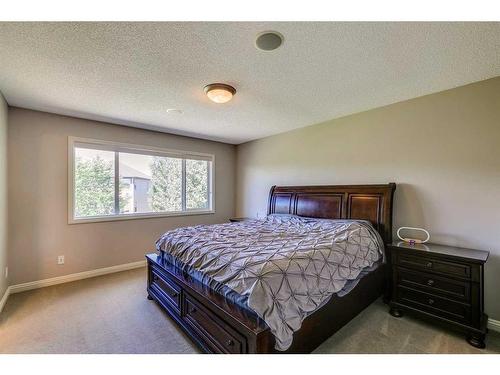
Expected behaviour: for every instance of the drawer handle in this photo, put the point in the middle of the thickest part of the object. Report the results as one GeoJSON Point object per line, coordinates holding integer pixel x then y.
{"type": "Point", "coordinates": [155, 278]}
{"type": "Point", "coordinates": [431, 301]}
{"type": "Point", "coordinates": [193, 310]}
{"type": "Point", "coordinates": [230, 343]}
{"type": "Point", "coordinates": [430, 282]}
{"type": "Point", "coordinates": [429, 264]}
{"type": "Point", "coordinates": [174, 295]}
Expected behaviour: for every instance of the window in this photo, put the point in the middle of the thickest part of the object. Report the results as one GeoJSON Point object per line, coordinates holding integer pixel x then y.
{"type": "Point", "coordinates": [114, 181]}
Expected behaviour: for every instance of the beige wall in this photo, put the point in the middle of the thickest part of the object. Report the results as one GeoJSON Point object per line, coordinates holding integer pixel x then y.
{"type": "Point", "coordinates": [3, 194]}
{"type": "Point", "coordinates": [443, 151]}
{"type": "Point", "coordinates": [38, 219]}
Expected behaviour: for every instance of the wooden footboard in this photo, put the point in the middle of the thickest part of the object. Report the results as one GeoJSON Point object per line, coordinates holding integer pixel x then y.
{"type": "Point", "coordinates": [218, 325]}
{"type": "Point", "coordinates": [214, 323]}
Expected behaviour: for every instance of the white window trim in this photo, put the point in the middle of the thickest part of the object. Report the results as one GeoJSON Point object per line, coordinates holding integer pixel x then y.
{"type": "Point", "coordinates": [123, 147]}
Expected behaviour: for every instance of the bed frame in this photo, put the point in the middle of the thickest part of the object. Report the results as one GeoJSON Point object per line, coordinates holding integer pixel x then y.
{"type": "Point", "coordinates": [218, 325]}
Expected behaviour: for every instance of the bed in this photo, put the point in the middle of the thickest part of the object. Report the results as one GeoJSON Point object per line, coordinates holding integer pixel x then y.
{"type": "Point", "coordinates": [220, 321]}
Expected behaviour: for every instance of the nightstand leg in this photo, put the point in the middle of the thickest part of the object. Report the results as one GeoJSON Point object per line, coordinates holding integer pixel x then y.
{"type": "Point", "coordinates": [476, 340]}
{"type": "Point", "coordinates": [396, 312]}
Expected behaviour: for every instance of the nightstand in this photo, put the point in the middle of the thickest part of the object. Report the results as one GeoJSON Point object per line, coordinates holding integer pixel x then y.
{"type": "Point", "coordinates": [444, 284]}
{"type": "Point", "coordinates": [238, 219]}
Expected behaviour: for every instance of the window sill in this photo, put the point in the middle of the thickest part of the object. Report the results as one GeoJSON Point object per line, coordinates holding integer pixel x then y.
{"type": "Point", "coordinates": [148, 215]}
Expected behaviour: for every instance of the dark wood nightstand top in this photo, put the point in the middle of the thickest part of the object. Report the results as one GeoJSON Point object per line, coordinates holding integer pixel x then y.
{"type": "Point", "coordinates": [434, 249]}
{"type": "Point", "coordinates": [238, 219]}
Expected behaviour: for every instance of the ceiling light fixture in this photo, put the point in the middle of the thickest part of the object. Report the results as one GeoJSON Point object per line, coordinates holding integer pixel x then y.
{"type": "Point", "coordinates": [219, 92]}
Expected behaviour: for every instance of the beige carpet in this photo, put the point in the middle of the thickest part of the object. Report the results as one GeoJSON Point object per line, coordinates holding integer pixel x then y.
{"type": "Point", "coordinates": [110, 314]}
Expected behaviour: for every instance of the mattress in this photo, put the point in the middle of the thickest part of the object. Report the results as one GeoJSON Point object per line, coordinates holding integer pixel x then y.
{"type": "Point", "coordinates": [283, 267]}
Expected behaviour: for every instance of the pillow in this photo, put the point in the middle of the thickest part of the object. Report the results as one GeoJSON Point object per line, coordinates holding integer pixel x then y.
{"type": "Point", "coordinates": [282, 215]}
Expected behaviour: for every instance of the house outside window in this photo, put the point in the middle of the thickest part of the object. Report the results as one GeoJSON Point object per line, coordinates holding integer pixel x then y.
{"type": "Point", "coordinates": [137, 186]}
{"type": "Point", "coordinates": [116, 181]}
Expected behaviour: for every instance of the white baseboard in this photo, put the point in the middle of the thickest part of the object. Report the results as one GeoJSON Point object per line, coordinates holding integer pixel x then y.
{"type": "Point", "coordinates": [3, 301]}
{"type": "Point", "coordinates": [74, 277]}
{"type": "Point", "coordinates": [494, 325]}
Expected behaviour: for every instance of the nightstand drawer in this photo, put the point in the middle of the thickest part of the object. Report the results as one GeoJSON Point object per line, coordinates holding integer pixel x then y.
{"type": "Point", "coordinates": [427, 282]}
{"type": "Point", "coordinates": [430, 264]}
{"type": "Point", "coordinates": [434, 304]}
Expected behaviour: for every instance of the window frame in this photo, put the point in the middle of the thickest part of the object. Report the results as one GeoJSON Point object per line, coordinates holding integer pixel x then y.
{"type": "Point", "coordinates": [135, 148]}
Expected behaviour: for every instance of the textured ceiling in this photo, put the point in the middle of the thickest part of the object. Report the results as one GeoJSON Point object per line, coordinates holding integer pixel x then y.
{"type": "Point", "coordinates": [131, 73]}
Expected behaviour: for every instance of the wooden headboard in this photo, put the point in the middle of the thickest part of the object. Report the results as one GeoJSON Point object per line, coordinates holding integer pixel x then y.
{"type": "Point", "coordinates": [362, 202]}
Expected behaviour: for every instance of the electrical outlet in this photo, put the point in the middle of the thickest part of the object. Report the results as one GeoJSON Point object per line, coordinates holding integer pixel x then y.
{"type": "Point", "coordinates": [60, 259]}
{"type": "Point", "coordinates": [6, 272]}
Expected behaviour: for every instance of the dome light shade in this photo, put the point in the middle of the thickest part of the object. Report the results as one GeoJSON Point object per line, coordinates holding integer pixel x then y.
{"type": "Point", "coordinates": [219, 92]}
